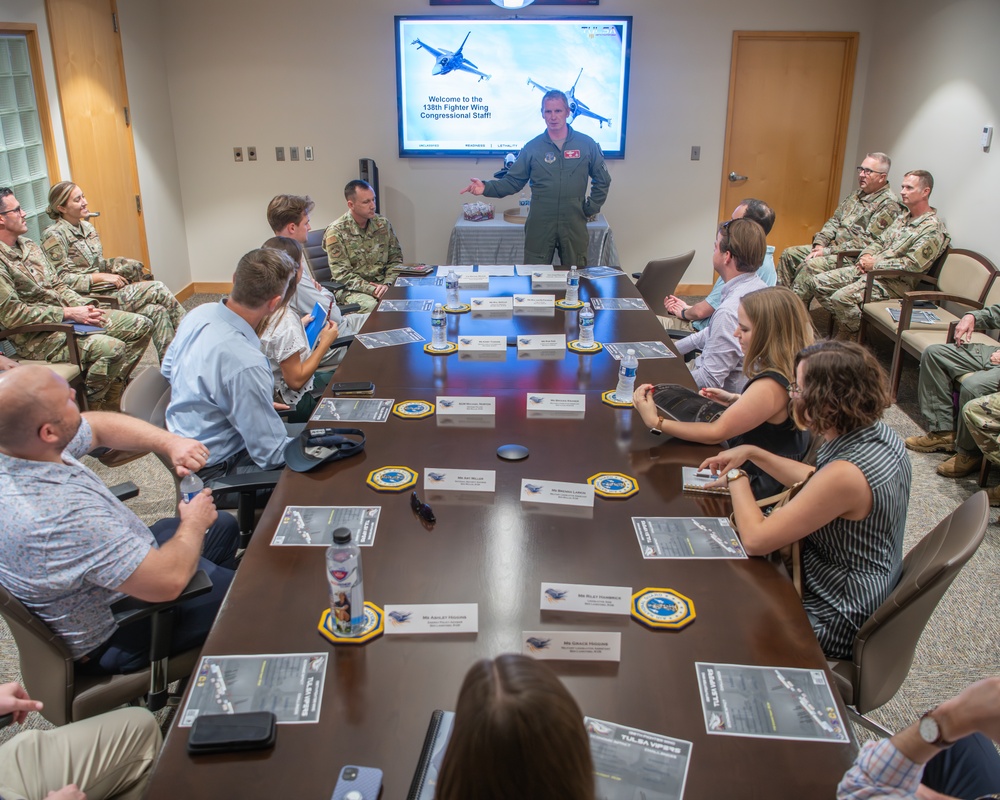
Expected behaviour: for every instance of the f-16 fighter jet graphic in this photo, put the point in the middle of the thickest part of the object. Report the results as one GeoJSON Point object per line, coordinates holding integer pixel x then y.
{"type": "Point", "coordinates": [446, 61]}
{"type": "Point", "coordinates": [576, 107]}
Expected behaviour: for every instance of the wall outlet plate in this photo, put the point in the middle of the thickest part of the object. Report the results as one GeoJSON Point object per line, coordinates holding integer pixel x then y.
{"type": "Point", "coordinates": [251, 153]}
{"type": "Point", "coordinates": [696, 153]}
{"type": "Point", "coordinates": [237, 154]}
{"type": "Point", "coordinates": [309, 152]}
{"type": "Point", "coordinates": [279, 153]}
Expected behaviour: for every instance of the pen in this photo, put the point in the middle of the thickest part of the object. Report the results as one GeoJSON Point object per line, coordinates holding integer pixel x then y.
{"type": "Point", "coordinates": [329, 309]}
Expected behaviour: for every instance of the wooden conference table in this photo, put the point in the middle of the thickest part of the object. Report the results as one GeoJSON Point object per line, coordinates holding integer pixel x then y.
{"type": "Point", "coordinates": [378, 697]}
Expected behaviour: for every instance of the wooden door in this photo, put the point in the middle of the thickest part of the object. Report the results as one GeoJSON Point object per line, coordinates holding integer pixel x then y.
{"type": "Point", "coordinates": [789, 103]}
{"type": "Point", "coordinates": [90, 73]}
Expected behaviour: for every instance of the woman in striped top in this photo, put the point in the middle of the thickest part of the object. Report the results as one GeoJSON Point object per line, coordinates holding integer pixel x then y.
{"type": "Point", "coordinates": [851, 514]}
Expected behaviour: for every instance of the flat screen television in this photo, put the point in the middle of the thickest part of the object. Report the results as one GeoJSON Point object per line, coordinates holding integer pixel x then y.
{"type": "Point", "coordinates": [472, 86]}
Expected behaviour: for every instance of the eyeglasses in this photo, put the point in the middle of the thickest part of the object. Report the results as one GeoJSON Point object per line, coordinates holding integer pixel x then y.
{"type": "Point", "coordinates": [794, 390]}
{"type": "Point", "coordinates": [421, 509]}
{"type": "Point", "coordinates": [17, 210]}
{"type": "Point", "coordinates": [869, 172]}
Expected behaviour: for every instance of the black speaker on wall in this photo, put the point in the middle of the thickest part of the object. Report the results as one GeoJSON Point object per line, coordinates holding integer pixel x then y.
{"type": "Point", "coordinates": [369, 173]}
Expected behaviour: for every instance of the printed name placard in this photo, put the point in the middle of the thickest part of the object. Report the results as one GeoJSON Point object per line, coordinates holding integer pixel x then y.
{"type": "Point", "coordinates": [466, 405]}
{"type": "Point", "coordinates": [474, 280]}
{"type": "Point", "coordinates": [534, 301]}
{"type": "Point", "coordinates": [536, 342]}
{"type": "Point", "coordinates": [587, 599]}
{"type": "Point", "coordinates": [558, 493]}
{"type": "Point", "coordinates": [539, 403]}
{"type": "Point", "coordinates": [530, 269]}
{"type": "Point", "coordinates": [500, 270]}
{"type": "Point", "coordinates": [483, 343]}
{"type": "Point", "coordinates": [572, 645]}
{"type": "Point", "coordinates": [548, 280]}
{"type": "Point", "coordinates": [432, 618]}
{"type": "Point", "coordinates": [460, 480]}
{"type": "Point", "coordinates": [492, 303]}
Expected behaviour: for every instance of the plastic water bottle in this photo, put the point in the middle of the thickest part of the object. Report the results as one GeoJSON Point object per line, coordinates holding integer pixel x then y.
{"type": "Point", "coordinates": [626, 377]}
{"type": "Point", "coordinates": [573, 286]}
{"type": "Point", "coordinates": [451, 287]}
{"type": "Point", "coordinates": [347, 589]}
{"type": "Point", "coordinates": [586, 325]}
{"type": "Point", "coordinates": [524, 204]}
{"type": "Point", "coordinates": [439, 322]}
{"type": "Point", "coordinates": [191, 485]}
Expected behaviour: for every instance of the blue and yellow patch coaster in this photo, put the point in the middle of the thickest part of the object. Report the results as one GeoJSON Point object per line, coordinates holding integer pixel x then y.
{"type": "Point", "coordinates": [391, 479]}
{"type": "Point", "coordinates": [576, 347]}
{"type": "Point", "coordinates": [373, 628]}
{"type": "Point", "coordinates": [608, 398]}
{"type": "Point", "coordinates": [413, 409]}
{"type": "Point", "coordinates": [613, 485]}
{"type": "Point", "coordinates": [443, 351]}
{"type": "Point", "coordinates": [571, 306]}
{"type": "Point", "coordinates": [458, 309]}
{"type": "Point", "coordinates": [662, 609]}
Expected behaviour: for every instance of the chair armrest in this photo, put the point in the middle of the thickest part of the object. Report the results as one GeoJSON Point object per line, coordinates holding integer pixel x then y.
{"type": "Point", "coordinates": [342, 341]}
{"type": "Point", "coordinates": [673, 333]}
{"type": "Point", "coordinates": [125, 491]}
{"type": "Point", "coordinates": [951, 332]}
{"type": "Point", "coordinates": [637, 275]}
{"type": "Point", "coordinates": [245, 481]}
{"type": "Point", "coordinates": [131, 609]}
{"type": "Point", "coordinates": [333, 286]}
{"type": "Point", "coordinates": [349, 308]}
{"type": "Point", "coordinates": [899, 273]}
{"type": "Point", "coordinates": [843, 255]}
{"type": "Point", "coordinates": [49, 327]}
{"type": "Point", "coordinates": [101, 299]}
{"type": "Point", "coordinates": [7, 719]}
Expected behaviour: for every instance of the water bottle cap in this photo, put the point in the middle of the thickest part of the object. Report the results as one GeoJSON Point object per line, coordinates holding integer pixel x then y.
{"type": "Point", "coordinates": [630, 352]}
{"type": "Point", "coordinates": [342, 535]}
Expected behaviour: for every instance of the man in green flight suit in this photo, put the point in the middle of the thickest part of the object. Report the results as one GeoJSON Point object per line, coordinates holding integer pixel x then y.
{"type": "Point", "coordinates": [558, 163]}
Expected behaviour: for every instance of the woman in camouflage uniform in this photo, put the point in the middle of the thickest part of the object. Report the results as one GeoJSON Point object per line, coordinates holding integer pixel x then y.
{"type": "Point", "coordinates": [73, 248]}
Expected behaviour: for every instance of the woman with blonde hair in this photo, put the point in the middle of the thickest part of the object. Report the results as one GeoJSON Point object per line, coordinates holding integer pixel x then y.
{"type": "Point", "coordinates": [851, 513]}
{"type": "Point", "coordinates": [773, 326]}
{"type": "Point", "coordinates": [73, 248]}
{"type": "Point", "coordinates": [518, 733]}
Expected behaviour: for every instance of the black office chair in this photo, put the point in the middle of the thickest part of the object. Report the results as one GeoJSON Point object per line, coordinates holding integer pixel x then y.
{"type": "Point", "coordinates": [147, 398]}
{"type": "Point", "coordinates": [49, 671]}
{"type": "Point", "coordinates": [660, 278]}
{"type": "Point", "coordinates": [319, 264]}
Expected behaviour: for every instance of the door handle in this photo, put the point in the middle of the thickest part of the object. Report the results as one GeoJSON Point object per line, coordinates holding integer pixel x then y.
{"type": "Point", "coordinates": [735, 176]}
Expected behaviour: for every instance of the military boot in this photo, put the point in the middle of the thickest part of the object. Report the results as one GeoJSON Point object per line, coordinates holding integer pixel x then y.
{"type": "Point", "coordinates": [112, 399]}
{"type": "Point", "coordinates": [960, 465]}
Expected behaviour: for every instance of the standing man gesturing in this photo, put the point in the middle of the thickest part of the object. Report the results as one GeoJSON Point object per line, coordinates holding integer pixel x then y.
{"type": "Point", "coordinates": [558, 163]}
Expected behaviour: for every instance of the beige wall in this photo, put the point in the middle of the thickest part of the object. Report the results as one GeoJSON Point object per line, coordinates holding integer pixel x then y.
{"type": "Point", "coordinates": [204, 77]}
{"type": "Point", "coordinates": [322, 74]}
{"type": "Point", "coordinates": [933, 83]}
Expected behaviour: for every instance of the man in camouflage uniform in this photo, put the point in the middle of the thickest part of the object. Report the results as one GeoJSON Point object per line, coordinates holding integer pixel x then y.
{"type": "Point", "coordinates": [911, 243]}
{"type": "Point", "coordinates": [362, 249]}
{"type": "Point", "coordinates": [982, 418]}
{"type": "Point", "coordinates": [859, 220]}
{"type": "Point", "coordinates": [940, 367]}
{"type": "Point", "coordinates": [31, 291]}
{"type": "Point", "coordinates": [77, 255]}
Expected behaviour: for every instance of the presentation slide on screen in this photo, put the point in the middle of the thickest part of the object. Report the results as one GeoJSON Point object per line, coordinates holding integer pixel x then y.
{"type": "Point", "coordinates": [475, 85]}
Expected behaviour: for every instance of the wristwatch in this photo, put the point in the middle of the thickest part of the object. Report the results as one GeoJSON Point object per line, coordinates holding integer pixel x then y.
{"type": "Point", "coordinates": [682, 314]}
{"type": "Point", "coordinates": [930, 731]}
{"type": "Point", "coordinates": [656, 430]}
{"type": "Point", "coordinates": [733, 474]}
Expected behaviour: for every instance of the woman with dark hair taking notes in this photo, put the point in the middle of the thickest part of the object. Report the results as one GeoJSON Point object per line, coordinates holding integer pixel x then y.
{"type": "Point", "coordinates": [518, 733]}
{"type": "Point", "coordinates": [851, 514]}
{"type": "Point", "coordinates": [773, 326]}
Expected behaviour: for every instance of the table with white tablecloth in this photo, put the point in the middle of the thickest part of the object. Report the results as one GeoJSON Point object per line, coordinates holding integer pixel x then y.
{"type": "Point", "coordinates": [496, 241]}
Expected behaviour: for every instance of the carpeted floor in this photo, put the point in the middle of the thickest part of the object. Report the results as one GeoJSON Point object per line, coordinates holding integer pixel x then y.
{"type": "Point", "coordinates": [959, 645]}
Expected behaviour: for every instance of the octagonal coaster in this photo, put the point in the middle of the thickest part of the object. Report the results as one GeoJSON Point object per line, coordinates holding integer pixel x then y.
{"type": "Point", "coordinates": [391, 479]}
{"type": "Point", "coordinates": [430, 349]}
{"type": "Point", "coordinates": [413, 409]}
{"type": "Point", "coordinates": [373, 628]}
{"type": "Point", "coordinates": [576, 347]}
{"type": "Point", "coordinates": [561, 303]}
{"type": "Point", "coordinates": [613, 485]}
{"type": "Point", "coordinates": [459, 309]}
{"type": "Point", "coordinates": [608, 398]}
{"type": "Point", "coordinates": [662, 608]}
